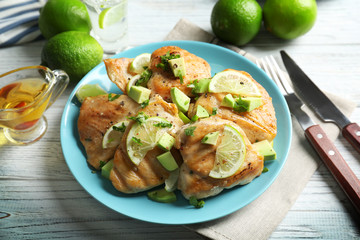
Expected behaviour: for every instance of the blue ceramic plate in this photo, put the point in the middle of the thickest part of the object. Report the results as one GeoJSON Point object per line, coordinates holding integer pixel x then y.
{"type": "Point", "coordinates": [138, 206]}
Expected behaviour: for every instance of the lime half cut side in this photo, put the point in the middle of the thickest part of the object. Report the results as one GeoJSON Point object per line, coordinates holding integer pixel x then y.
{"type": "Point", "coordinates": [230, 154]}
{"type": "Point", "coordinates": [113, 135]}
{"type": "Point", "coordinates": [112, 15]}
{"type": "Point", "coordinates": [140, 63]}
{"type": "Point", "coordinates": [144, 137]}
{"type": "Point", "coordinates": [234, 82]}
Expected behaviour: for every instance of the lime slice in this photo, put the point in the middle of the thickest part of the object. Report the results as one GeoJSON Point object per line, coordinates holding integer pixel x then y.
{"type": "Point", "coordinates": [113, 135]}
{"type": "Point", "coordinates": [89, 90]}
{"type": "Point", "coordinates": [112, 15]}
{"type": "Point", "coordinates": [144, 137]}
{"type": "Point", "coordinates": [140, 63]}
{"type": "Point", "coordinates": [230, 154]}
{"type": "Point", "coordinates": [234, 82]}
{"type": "Point", "coordinates": [132, 82]}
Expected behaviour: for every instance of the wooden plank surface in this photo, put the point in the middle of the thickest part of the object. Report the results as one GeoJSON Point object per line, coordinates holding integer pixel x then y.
{"type": "Point", "coordinates": [45, 202]}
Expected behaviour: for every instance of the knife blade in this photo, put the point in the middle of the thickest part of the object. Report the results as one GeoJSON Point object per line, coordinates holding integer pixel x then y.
{"type": "Point", "coordinates": [319, 102]}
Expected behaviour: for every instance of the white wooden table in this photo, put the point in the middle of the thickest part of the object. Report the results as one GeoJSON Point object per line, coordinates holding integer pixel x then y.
{"type": "Point", "coordinates": [44, 200]}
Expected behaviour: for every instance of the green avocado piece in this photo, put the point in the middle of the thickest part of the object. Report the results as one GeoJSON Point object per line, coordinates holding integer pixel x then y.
{"type": "Point", "coordinates": [177, 65]}
{"type": "Point", "coordinates": [265, 149]}
{"type": "Point", "coordinates": [201, 112]}
{"type": "Point", "coordinates": [201, 85]}
{"type": "Point", "coordinates": [247, 104]}
{"type": "Point", "coordinates": [162, 196]}
{"type": "Point", "coordinates": [166, 142]}
{"type": "Point", "coordinates": [139, 94]}
{"type": "Point", "coordinates": [184, 118]}
{"type": "Point", "coordinates": [106, 169]}
{"type": "Point", "coordinates": [228, 101]}
{"type": "Point", "coordinates": [211, 138]}
{"type": "Point", "coordinates": [167, 161]}
{"type": "Point", "coordinates": [180, 99]}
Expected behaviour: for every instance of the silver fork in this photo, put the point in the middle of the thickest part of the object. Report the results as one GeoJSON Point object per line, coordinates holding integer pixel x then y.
{"type": "Point", "coordinates": [314, 133]}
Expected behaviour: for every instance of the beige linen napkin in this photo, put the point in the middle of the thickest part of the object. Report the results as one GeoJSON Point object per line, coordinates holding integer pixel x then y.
{"type": "Point", "coordinates": [259, 219]}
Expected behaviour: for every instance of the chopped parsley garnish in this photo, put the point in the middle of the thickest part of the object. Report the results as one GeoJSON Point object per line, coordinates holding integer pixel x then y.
{"type": "Point", "coordinates": [181, 79]}
{"type": "Point", "coordinates": [144, 78]}
{"type": "Point", "coordinates": [163, 124]}
{"type": "Point", "coordinates": [214, 111]}
{"type": "Point", "coordinates": [144, 103]}
{"type": "Point", "coordinates": [165, 60]}
{"type": "Point", "coordinates": [112, 98]}
{"type": "Point", "coordinates": [101, 164]}
{"type": "Point", "coordinates": [136, 140]}
{"type": "Point", "coordinates": [190, 131]}
{"type": "Point", "coordinates": [265, 170]}
{"type": "Point", "coordinates": [196, 203]}
{"type": "Point", "coordinates": [121, 128]}
{"type": "Point", "coordinates": [240, 106]}
{"type": "Point", "coordinates": [140, 118]}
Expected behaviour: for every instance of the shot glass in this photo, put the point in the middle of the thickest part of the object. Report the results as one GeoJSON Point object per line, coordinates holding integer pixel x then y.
{"type": "Point", "coordinates": [25, 94]}
{"type": "Point", "coordinates": [109, 23]}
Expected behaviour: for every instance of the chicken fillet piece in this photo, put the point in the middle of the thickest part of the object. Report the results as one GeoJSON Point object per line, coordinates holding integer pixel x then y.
{"type": "Point", "coordinates": [199, 159]}
{"type": "Point", "coordinates": [96, 115]}
{"type": "Point", "coordinates": [129, 178]}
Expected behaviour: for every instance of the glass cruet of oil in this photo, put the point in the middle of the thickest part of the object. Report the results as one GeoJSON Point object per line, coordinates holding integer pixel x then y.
{"type": "Point", "coordinates": [25, 94]}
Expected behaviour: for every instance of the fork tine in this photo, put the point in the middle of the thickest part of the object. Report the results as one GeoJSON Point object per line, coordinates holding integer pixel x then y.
{"type": "Point", "coordinates": [282, 77]}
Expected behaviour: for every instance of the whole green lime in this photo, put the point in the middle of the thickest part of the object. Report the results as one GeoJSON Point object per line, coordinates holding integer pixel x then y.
{"type": "Point", "coordinates": [236, 21]}
{"type": "Point", "coordinates": [289, 19]}
{"type": "Point", "coordinates": [63, 15]}
{"type": "Point", "coordinates": [74, 52]}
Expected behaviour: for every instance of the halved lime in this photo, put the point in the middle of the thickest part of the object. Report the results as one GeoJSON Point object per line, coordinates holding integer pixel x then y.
{"type": "Point", "coordinates": [112, 15]}
{"type": "Point", "coordinates": [233, 82]}
{"type": "Point", "coordinates": [140, 63]}
{"type": "Point", "coordinates": [113, 135]}
{"type": "Point", "coordinates": [89, 90]}
{"type": "Point", "coordinates": [230, 154]}
{"type": "Point", "coordinates": [144, 137]}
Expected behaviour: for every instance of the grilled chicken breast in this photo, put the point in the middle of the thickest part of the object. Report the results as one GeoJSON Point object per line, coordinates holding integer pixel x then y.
{"type": "Point", "coordinates": [163, 80]}
{"type": "Point", "coordinates": [129, 178]}
{"type": "Point", "coordinates": [258, 124]}
{"type": "Point", "coordinates": [118, 71]}
{"type": "Point", "coordinates": [199, 159]}
{"type": "Point", "coordinates": [97, 114]}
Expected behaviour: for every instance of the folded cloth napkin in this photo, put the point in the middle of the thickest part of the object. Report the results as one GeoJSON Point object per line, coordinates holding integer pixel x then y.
{"type": "Point", "coordinates": [19, 21]}
{"type": "Point", "coordinates": [259, 219]}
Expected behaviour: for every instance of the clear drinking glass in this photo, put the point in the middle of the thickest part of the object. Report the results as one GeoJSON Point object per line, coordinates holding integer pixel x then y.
{"type": "Point", "coordinates": [109, 23]}
{"type": "Point", "coordinates": [25, 93]}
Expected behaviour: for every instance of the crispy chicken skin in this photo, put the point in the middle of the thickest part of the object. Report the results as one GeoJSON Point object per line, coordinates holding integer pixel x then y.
{"type": "Point", "coordinates": [118, 71]}
{"type": "Point", "coordinates": [129, 178]}
{"type": "Point", "coordinates": [199, 160]}
{"type": "Point", "coordinates": [162, 81]}
{"type": "Point", "coordinates": [258, 125]}
{"type": "Point", "coordinates": [97, 114]}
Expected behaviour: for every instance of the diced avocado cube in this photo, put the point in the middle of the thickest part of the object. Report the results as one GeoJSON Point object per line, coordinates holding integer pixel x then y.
{"type": "Point", "coordinates": [167, 161]}
{"type": "Point", "coordinates": [265, 149]}
{"type": "Point", "coordinates": [201, 112]}
{"type": "Point", "coordinates": [228, 101]}
{"type": "Point", "coordinates": [162, 196]}
{"type": "Point", "coordinates": [139, 94]}
{"type": "Point", "coordinates": [166, 142]}
{"type": "Point", "coordinates": [180, 99]}
{"type": "Point", "coordinates": [201, 85]}
{"type": "Point", "coordinates": [211, 138]}
{"type": "Point", "coordinates": [252, 102]}
{"type": "Point", "coordinates": [106, 169]}
{"type": "Point", "coordinates": [184, 118]}
{"type": "Point", "coordinates": [177, 65]}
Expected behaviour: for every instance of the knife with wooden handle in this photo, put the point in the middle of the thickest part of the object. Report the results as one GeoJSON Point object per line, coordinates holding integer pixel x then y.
{"type": "Point", "coordinates": [320, 103]}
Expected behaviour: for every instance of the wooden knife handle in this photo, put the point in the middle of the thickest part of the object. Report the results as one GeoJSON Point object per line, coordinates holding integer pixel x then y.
{"type": "Point", "coordinates": [335, 163]}
{"type": "Point", "coordinates": [352, 133]}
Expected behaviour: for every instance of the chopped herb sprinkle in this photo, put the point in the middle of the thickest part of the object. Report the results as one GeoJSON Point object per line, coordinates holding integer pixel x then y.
{"type": "Point", "coordinates": [163, 125]}
{"type": "Point", "coordinates": [112, 98]}
{"type": "Point", "coordinates": [165, 60]}
{"type": "Point", "coordinates": [190, 131]}
{"type": "Point", "coordinates": [196, 203]}
{"type": "Point", "coordinates": [140, 118]}
{"type": "Point", "coordinates": [136, 140]}
{"type": "Point", "coordinates": [121, 128]}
